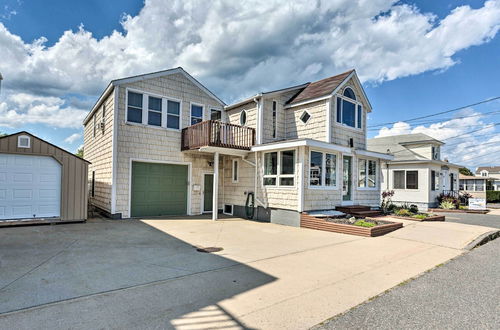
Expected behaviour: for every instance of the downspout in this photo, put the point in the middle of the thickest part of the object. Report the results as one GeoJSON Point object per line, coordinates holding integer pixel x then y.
{"type": "Point", "coordinates": [256, 178]}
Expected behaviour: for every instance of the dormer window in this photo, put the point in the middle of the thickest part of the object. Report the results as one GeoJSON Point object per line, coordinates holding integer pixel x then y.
{"type": "Point", "coordinates": [348, 92]}
{"type": "Point", "coordinates": [349, 111]}
{"type": "Point", "coordinates": [484, 173]}
{"type": "Point", "coordinates": [23, 141]}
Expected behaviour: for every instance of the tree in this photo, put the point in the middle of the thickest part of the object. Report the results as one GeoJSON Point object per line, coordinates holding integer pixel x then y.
{"type": "Point", "coordinates": [2, 134]}
{"type": "Point", "coordinates": [79, 152]}
{"type": "Point", "coordinates": [465, 171]}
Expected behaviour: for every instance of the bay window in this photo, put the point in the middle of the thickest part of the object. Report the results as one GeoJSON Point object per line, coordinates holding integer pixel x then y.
{"type": "Point", "coordinates": [322, 169]}
{"type": "Point", "coordinates": [279, 168]}
{"type": "Point", "coordinates": [367, 173]}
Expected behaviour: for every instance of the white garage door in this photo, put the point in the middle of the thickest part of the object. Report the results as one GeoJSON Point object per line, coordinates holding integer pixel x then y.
{"type": "Point", "coordinates": [30, 187]}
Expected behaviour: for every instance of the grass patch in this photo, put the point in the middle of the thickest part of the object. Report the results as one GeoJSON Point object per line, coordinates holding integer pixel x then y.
{"type": "Point", "coordinates": [420, 216]}
{"type": "Point", "coordinates": [363, 223]}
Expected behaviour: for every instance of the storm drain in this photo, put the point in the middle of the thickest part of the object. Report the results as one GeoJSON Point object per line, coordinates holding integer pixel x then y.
{"type": "Point", "coordinates": [209, 249]}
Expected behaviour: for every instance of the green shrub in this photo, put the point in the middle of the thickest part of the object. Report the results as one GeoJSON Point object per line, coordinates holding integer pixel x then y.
{"type": "Point", "coordinates": [403, 213]}
{"type": "Point", "coordinates": [447, 205]}
{"type": "Point", "coordinates": [420, 216]}
{"type": "Point", "coordinates": [363, 223]}
{"type": "Point", "coordinates": [463, 207]}
{"type": "Point", "coordinates": [492, 196]}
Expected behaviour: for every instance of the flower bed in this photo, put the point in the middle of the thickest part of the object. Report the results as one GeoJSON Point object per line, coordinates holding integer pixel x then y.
{"type": "Point", "coordinates": [427, 217]}
{"type": "Point", "coordinates": [365, 227]}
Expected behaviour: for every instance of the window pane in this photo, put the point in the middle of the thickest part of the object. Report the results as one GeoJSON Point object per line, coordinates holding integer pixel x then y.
{"type": "Point", "coordinates": [348, 113]}
{"type": "Point", "coordinates": [362, 173]}
{"type": "Point", "coordinates": [288, 162]}
{"type": "Point", "coordinates": [134, 115]}
{"type": "Point", "coordinates": [286, 181]}
{"type": "Point", "coordinates": [372, 173]}
{"type": "Point", "coordinates": [316, 169]}
{"type": "Point", "coordinates": [135, 99]}
{"type": "Point", "coordinates": [330, 170]}
{"type": "Point", "coordinates": [271, 163]}
{"type": "Point", "coordinates": [479, 185]}
{"type": "Point", "coordinates": [399, 180]}
{"type": "Point", "coordinates": [243, 118]}
{"type": "Point", "coordinates": [339, 110]}
{"type": "Point", "coordinates": [360, 117]}
{"type": "Point", "coordinates": [173, 107]}
{"type": "Point", "coordinates": [173, 121]}
{"type": "Point", "coordinates": [196, 111]}
{"type": "Point", "coordinates": [411, 179]}
{"type": "Point", "coordinates": [154, 103]}
{"type": "Point", "coordinates": [433, 180]}
{"type": "Point", "coordinates": [349, 93]}
{"type": "Point", "coordinates": [269, 181]}
{"type": "Point", "coordinates": [154, 118]}
{"type": "Point", "coordinates": [215, 114]}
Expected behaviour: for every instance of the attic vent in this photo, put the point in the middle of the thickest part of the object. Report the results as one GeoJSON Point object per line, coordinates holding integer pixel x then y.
{"type": "Point", "coordinates": [23, 141]}
{"type": "Point", "coordinates": [305, 117]}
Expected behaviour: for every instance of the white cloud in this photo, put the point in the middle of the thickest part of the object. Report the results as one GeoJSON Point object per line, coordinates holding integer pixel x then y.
{"type": "Point", "coordinates": [72, 138]}
{"type": "Point", "coordinates": [22, 109]}
{"type": "Point", "coordinates": [472, 149]}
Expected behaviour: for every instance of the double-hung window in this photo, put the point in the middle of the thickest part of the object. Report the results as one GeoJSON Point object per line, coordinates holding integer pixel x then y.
{"type": "Point", "coordinates": [279, 168]}
{"type": "Point", "coordinates": [322, 169]}
{"type": "Point", "coordinates": [405, 179]}
{"type": "Point", "coordinates": [215, 114]}
{"type": "Point", "coordinates": [134, 107]}
{"type": "Point", "coordinates": [173, 114]}
{"type": "Point", "coordinates": [196, 114]}
{"type": "Point", "coordinates": [367, 173]}
{"type": "Point", "coordinates": [154, 111]}
{"type": "Point", "coordinates": [349, 110]}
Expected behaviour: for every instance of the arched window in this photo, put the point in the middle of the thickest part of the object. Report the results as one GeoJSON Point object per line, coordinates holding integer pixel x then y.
{"type": "Point", "coordinates": [349, 93]}
{"type": "Point", "coordinates": [243, 118]}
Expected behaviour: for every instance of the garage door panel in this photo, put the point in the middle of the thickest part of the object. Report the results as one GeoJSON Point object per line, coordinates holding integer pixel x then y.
{"type": "Point", "coordinates": [31, 186]}
{"type": "Point", "coordinates": [159, 189]}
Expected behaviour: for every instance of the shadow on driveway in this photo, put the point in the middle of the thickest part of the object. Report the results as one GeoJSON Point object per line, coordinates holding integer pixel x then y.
{"type": "Point", "coordinates": [111, 273]}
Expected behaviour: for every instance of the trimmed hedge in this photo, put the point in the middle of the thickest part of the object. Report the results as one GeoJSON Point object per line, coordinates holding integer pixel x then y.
{"type": "Point", "coordinates": [492, 196]}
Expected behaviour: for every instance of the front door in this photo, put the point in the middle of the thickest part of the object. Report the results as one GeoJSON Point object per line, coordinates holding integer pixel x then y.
{"type": "Point", "coordinates": [347, 179]}
{"type": "Point", "coordinates": [208, 189]}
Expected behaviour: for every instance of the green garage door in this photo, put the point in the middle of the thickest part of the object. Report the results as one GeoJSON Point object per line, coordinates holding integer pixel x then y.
{"type": "Point", "coordinates": [159, 189]}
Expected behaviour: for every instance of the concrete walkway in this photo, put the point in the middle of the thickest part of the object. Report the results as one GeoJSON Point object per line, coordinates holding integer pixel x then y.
{"type": "Point", "coordinates": [123, 274]}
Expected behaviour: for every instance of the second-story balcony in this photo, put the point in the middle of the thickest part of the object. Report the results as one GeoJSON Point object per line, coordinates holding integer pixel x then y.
{"type": "Point", "coordinates": [213, 133]}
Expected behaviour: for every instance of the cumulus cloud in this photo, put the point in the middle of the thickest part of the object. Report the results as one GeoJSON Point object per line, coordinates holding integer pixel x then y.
{"type": "Point", "coordinates": [22, 109]}
{"type": "Point", "coordinates": [462, 146]}
{"type": "Point", "coordinates": [72, 138]}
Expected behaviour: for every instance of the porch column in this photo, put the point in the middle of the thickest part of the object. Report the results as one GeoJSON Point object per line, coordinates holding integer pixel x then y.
{"type": "Point", "coordinates": [215, 202]}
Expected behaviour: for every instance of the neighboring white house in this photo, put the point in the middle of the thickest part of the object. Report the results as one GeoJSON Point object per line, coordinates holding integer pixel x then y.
{"type": "Point", "coordinates": [492, 174]}
{"type": "Point", "coordinates": [473, 185]}
{"type": "Point", "coordinates": [416, 174]}
{"type": "Point", "coordinates": [163, 144]}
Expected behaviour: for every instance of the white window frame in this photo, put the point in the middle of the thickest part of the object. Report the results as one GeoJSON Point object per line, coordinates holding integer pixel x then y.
{"type": "Point", "coordinates": [366, 187]}
{"type": "Point", "coordinates": [191, 111]}
{"type": "Point", "coordinates": [235, 164]}
{"type": "Point", "coordinates": [224, 209]}
{"type": "Point", "coordinates": [20, 137]}
{"type": "Point", "coordinates": [300, 117]}
{"type": "Point", "coordinates": [356, 103]}
{"type": "Point", "coordinates": [246, 118]}
{"type": "Point", "coordinates": [419, 183]}
{"type": "Point", "coordinates": [160, 112]}
{"type": "Point", "coordinates": [323, 172]}
{"type": "Point", "coordinates": [278, 174]}
{"type": "Point", "coordinates": [145, 110]}
{"type": "Point", "coordinates": [484, 173]}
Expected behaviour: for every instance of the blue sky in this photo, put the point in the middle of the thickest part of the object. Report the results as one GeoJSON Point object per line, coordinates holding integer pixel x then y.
{"type": "Point", "coordinates": [414, 57]}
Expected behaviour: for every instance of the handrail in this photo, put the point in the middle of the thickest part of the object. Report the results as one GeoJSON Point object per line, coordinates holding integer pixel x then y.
{"type": "Point", "coordinates": [215, 133]}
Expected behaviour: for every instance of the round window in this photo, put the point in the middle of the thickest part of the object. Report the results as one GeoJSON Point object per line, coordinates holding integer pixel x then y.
{"type": "Point", "coordinates": [243, 118]}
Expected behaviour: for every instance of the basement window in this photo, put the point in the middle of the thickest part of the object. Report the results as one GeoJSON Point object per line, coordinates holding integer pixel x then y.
{"type": "Point", "coordinates": [23, 141]}
{"type": "Point", "coordinates": [228, 209]}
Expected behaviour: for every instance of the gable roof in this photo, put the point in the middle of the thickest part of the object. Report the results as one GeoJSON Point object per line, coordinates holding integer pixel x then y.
{"type": "Point", "coordinates": [490, 169]}
{"type": "Point", "coordinates": [151, 75]}
{"type": "Point", "coordinates": [53, 145]}
{"type": "Point", "coordinates": [397, 145]}
{"type": "Point", "coordinates": [462, 176]}
{"type": "Point", "coordinates": [320, 88]}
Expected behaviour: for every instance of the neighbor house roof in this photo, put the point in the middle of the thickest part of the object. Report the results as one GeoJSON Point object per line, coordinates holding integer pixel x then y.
{"type": "Point", "coordinates": [397, 145]}
{"type": "Point", "coordinates": [132, 79]}
{"type": "Point", "coordinates": [490, 169]}
{"type": "Point", "coordinates": [461, 176]}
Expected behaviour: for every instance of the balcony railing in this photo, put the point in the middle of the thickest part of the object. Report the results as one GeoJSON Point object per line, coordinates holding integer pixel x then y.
{"type": "Point", "coordinates": [213, 133]}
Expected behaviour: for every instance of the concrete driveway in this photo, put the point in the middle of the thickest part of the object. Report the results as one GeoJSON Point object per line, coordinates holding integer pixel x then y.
{"type": "Point", "coordinates": [148, 274]}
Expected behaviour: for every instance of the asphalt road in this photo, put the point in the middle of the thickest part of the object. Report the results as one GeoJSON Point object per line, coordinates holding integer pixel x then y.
{"type": "Point", "coordinates": [488, 220]}
{"type": "Point", "coordinates": [461, 294]}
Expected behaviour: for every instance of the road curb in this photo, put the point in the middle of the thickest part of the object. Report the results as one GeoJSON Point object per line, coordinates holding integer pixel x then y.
{"type": "Point", "coordinates": [483, 239]}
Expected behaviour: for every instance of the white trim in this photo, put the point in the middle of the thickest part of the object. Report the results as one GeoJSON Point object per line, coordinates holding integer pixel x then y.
{"type": "Point", "coordinates": [278, 174]}
{"type": "Point", "coordinates": [373, 154]}
{"type": "Point", "coordinates": [235, 161]}
{"type": "Point", "coordinates": [215, 197]}
{"type": "Point", "coordinates": [260, 126]}
{"type": "Point", "coordinates": [203, 115]}
{"type": "Point", "coordinates": [114, 150]}
{"type": "Point", "coordinates": [202, 188]}
{"type": "Point", "coordinates": [19, 137]}
{"type": "Point", "coordinates": [377, 177]}
{"type": "Point", "coordinates": [301, 183]}
{"type": "Point", "coordinates": [246, 118]}
{"type": "Point", "coordinates": [323, 186]}
{"type": "Point", "coordinates": [98, 103]}
{"type": "Point", "coordinates": [328, 120]}
{"type": "Point", "coordinates": [356, 119]}
{"type": "Point", "coordinates": [304, 142]}
{"type": "Point", "coordinates": [224, 209]}
{"type": "Point", "coordinates": [154, 161]}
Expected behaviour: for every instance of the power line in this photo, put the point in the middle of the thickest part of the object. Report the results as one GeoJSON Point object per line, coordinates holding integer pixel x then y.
{"type": "Point", "coordinates": [440, 113]}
